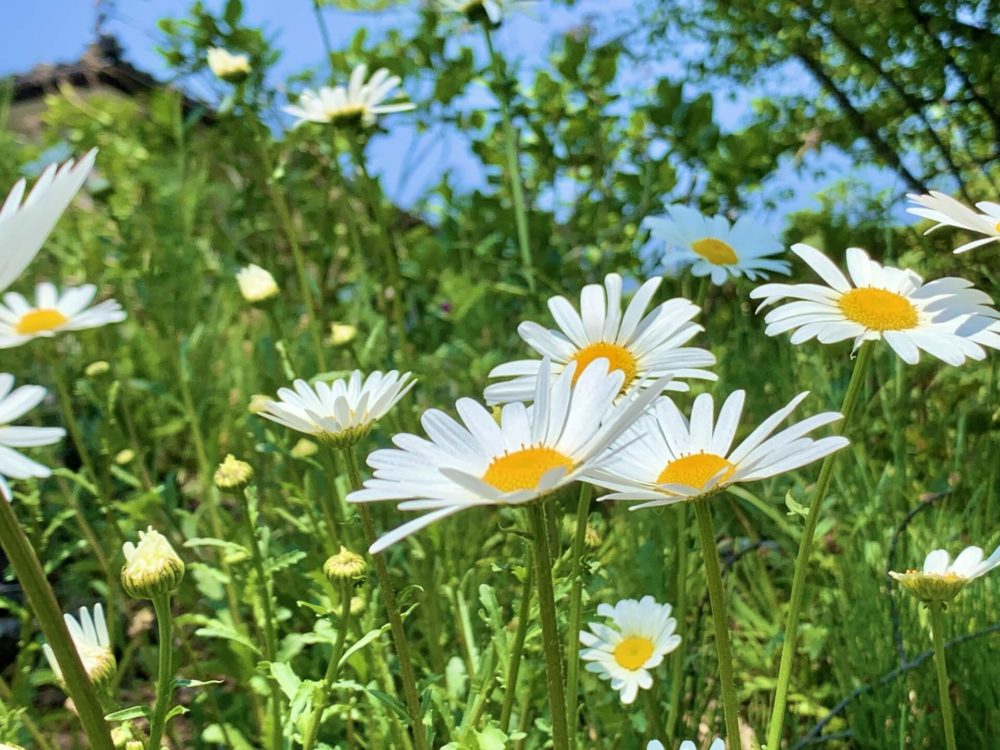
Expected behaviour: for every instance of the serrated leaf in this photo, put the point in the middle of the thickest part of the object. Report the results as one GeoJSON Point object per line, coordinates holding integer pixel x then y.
{"type": "Point", "coordinates": [281, 562]}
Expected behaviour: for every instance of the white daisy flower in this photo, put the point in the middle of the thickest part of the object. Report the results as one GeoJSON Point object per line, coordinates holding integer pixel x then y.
{"type": "Point", "coordinates": [948, 212]}
{"type": "Point", "coordinates": [715, 247]}
{"type": "Point", "coordinates": [941, 579]}
{"type": "Point", "coordinates": [531, 453]}
{"type": "Point", "coordinates": [256, 284]}
{"type": "Point", "coordinates": [641, 635]}
{"type": "Point", "coordinates": [342, 412]}
{"type": "Point", "coordinates": [360, 102]}
{"type": "Point", "coordinates": [227, 66]}
{"type": "Point", "coordinates": [642, 348]}
{"type": "Point", "coordinates": [12, 406]}
{"type": "Point", "coordinates": [53, 313]}
{"type": "Point", "coordinates": [880, 302]}
{"type": "Point", "coordinates": [24, 226]}
{"type": "Point", "coordinates": [90, 637]}
{"type": "Point", "coordinates": [667, 458]}
{"type": "Point", "coordinates": [717, 744]}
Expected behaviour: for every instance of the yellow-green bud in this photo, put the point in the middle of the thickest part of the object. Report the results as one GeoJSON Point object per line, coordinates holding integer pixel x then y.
{"type": "Point", "coordinates": [342, 333]}
{"type": "Point", "coordinates": [93, 370]}
{"type": "Point", "coordinates": [592, 537]}
{"type": "Point", "coordinates": [134, 745]}
{"type": "Point", "coordinates": [233, 474]}
{"type": "Point", "coordinates": [152, 568]}
{"type": "Point", "coordinates": [344, 566]}
{"type": "Point", "coordinates": [304, 449]}
{"type": "Point", "coordinates": [358, 604]}
{"type": "Point", "coordinates": [125, 456]}
{"type": "Point", "coordinates": [258, 402]}
{"type": "Point", "coordinates": [931, 587]}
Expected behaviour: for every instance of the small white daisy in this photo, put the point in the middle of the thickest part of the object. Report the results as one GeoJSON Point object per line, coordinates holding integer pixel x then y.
{"type": "Point", "coordinates": [360, 102]}
{"type": "Point", "coordinates": [643, 348]}
{"type": "Point", "coordinates": [12, 406]}
{"type": "Point", "coordinates": [90, 637]}
{"type": "Point", "coordinates": [641, 634]}
{"type": "Point", "coordinates": [256, 284]}
{"type": "Point", "coordinates": [53, 313]}
{"type": "Point", "coordinates": [24, 226]}
{"type": "Point", "coordinates": [940, 579]}
{"type": "Point", "coordinates": [531, 453]}
{"type": "Point", "coordinates": [227, 66]}
{"type": "Point", "coordinates": [880, 302]}
{"type": "Point", "coordinates": [948, 212]}
{"type": "Point", "coordinates": [478, 10]}
{"type": "Point", "coordinates": [717, 744]}
{"type": "Point", "coordinates": [342, 412]}
{"type": "Point", "coordinates": [666, 458]}
{"type": "Point", "coordinates": [715, 247]}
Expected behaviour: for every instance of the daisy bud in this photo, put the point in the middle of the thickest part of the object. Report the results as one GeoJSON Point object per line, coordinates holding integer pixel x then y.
{"type": "Point", "coordinates": [342, 333]}
{"type": "Point", "coordinates": [152, 568]}
{"type": "Point", "coordinates": [256, 284]}
{"type": "Point", "coordinates": [358, 604]}
{"type": "Point", "coordinates": [304, 449]}
{"type": "Point", "coordinates": [227, 66]}
{"type": "Point", "coordinates": [344, 566]}
{"type": "Point", "coordinates": [93, 370]}
{"type": "Point", "coordinates": [233, 474]}
{"type": "Point", "coordinates": [125, 456]}
{"type": "Point", "coordinates": [592, 537]}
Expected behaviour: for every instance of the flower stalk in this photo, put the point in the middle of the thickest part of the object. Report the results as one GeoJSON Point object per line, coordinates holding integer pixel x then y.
{"type": "Point", "coordinates": [717, 598]}
{"type": "Point", "coordinates": [936, 610]}
{"type": "Point", "coordinates": [42, 599]}
{"type": "Point", "coordinates": [851, 397]}
{"type": "Point", "coordinates": [517, 648]}
{"type": "Point", "coordinates": [550, 631]}
{"type": "Point", "coordinates": [164, 670]}
{"type": "Point", "coordinates": [576, 604]}
{"type": "Point", "coordinates": [323, 692]}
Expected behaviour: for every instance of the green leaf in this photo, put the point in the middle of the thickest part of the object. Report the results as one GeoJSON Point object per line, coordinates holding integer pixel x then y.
{"type": "Point", "coordinates": [183, 683]}
{"type": "Point", "coordinates": [286, 678]}
{"type": "Point", "coordinates": [127, 714]}
{"type": "Point", "coordinates": [217, 629]}
{"type": "Point", "coordinates": [794, 506]}
{"type": "Point", "coordinates": [367, 638]}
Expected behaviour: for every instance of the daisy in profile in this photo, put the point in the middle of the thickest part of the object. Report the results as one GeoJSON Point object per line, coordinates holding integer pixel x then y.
{"type": "Point", "coordinates": [716, 248]}
{"type": "Point", "coordinates": [25, 223]}
{"type": "Point", "coordinates": [643, 347]}
{"type": "Point", "coordinates": [880, 302]}
{"type": "Point", "coordinates": [531, 453]}
{"type": "Point", "coordinates": [13, 405]}
{"type": "Point", "coordinates": [717, 744]}
{"type": "Point", "coordinates": [52, 313]}
{"type": "Point", "coordinates": [941, 579]}
{"type": "Point", "coordinates": [90, 637]}
{"type": "Point", "coordinates": [945, 211]}
{"type": "Point", "coordinates": [477, 11]}
{"type": "Point", "coordinates": [361, 102]}
{"type": "Point", "coordinates": [338, 413]}
{"type": "Point", "coordinates": [667, 458]}
{"type": "Point", "coordinates": [641, 634]}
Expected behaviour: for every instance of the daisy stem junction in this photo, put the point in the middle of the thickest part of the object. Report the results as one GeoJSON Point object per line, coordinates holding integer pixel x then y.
{"type": "Point", "coordinates": [513, 161]}
{"type": "Point", "coordinates": [854, 388]}
{"type": "Point", "coordinates": [936, 610]}
{"type": "Point", "coordinates": [43, 603]}
{"type": "Point", "coordinates": [164, 670]}
{"type": "Point", "coordinates": [717, 598]}
{"type": "Point", "coordinates": [322, 694]}
{"type": "Point", "coordinates": [576, 605]}
{"type": "Point", "coordinates": [550, 630]}
{"type": "Point", "coordinates": [407, 675]}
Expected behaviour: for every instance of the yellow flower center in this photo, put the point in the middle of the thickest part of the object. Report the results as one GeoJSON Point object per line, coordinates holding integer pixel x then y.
{"type": "Point", "coordinates": [619, 358]}
{"type": "Point", "coordinates": [522, 470]}
{"type": "Point", "coordinates": [42, 319]}
{"type": "Point", "coordinates": [878, 309]}
{"type": "Point", "coordinates": [715, 251]}
{"type": "Point", "coordinates": [696, 470]}
{"type": "Point", "coordinates": [633, 652]}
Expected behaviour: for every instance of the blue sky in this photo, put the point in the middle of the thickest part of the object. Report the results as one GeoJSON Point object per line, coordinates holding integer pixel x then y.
{"type": "Point", "coordinates": [31, 36]}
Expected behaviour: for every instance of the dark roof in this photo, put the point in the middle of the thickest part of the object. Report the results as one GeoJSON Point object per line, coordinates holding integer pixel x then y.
{"type": "Point", "coordinates": [101, 65]}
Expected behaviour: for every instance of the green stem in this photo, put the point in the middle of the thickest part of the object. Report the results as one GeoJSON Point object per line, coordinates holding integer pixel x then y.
{"type": "Point", "coordinates": [165, 670]}
{"type": "Point", "coordinates": [717, 598]}
{"type": "Point", "coordinates": [407, 674]}
{"type": "Point", "coordinates": [513, 162]}
{"type": "Point", "coordinates": [269, 629]}
{"type": "Point", "coordinates": [680, 613]}
{"type": "Point", "coordinates": [941, 666]}
{"type": "Point", "coordinates": [576, 606]}
{"type": "Point", "coordinates": [284, 212]}
{"type": "Point", "coordinates": [323, 692]}
{"type": "Point", "coordinates": [780, 707]}
{"type": "Point", "coordinates": [517, 648]}
{"type": "Point", "coordinates": [550, 629]}
{"type": "Point", "coordinates": [43, 603]}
